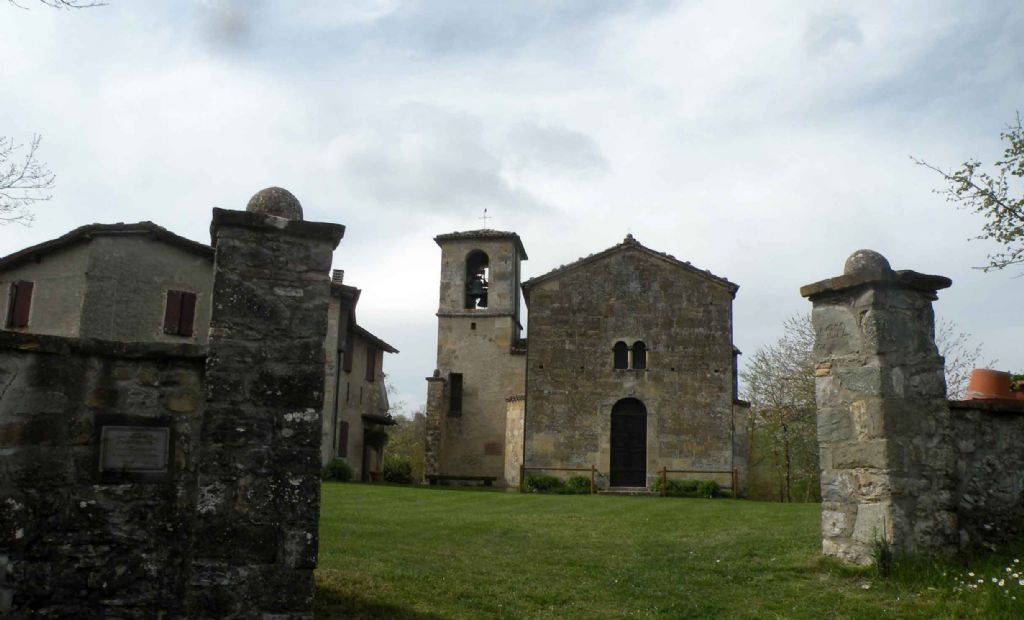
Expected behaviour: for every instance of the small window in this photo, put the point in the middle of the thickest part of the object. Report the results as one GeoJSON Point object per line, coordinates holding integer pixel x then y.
{"type": "Point", "coordinates": [639, 355]}
{"type": "Point", "coordinates": [621, 355]}
{"type": "Point", "coordinates": [455, 401]}
{"type": "Point", "coordinates": [371, 363]}
{"type": "Point", "coordinates": [341, 449]}
{"type": "Point", "coordinates": [20, 304]}
{"type": "Point", "coordinates": [180, 313]}
{"type": "Point", "coordinates": [477, 276]}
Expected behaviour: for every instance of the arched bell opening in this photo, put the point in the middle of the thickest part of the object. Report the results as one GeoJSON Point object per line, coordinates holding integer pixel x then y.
{"type": "Point", "coordinates": [477, 277]}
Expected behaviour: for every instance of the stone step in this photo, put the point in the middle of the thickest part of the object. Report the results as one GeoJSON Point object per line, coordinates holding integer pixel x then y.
{"type": "Point", "coordinates": [636, 491]}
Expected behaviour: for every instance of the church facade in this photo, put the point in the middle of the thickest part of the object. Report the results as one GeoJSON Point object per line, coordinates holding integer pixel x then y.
{"type": "Point", "coordinates": [629, 367]}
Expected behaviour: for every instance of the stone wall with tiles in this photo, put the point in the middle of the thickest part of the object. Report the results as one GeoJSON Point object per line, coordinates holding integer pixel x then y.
{"type": "Point", "coordinates": [77, 539]}
{"type": "Point", "coordinates": [988, 442]}
{"type": "Point", "coordinates": [900, 464]}
{"type": "Point", "coordinates": [154, 480]}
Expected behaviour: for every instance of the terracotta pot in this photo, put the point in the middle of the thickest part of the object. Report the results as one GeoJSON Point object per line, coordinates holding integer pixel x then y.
{"type": "Point", "coordinates": [987, 383]}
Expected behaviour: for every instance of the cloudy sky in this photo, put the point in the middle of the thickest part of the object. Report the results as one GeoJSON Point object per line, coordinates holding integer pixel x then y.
{"type": "Point", "coordinates": [763, 140]}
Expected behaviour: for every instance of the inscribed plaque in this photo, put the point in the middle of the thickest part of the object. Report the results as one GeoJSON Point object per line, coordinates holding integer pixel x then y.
{"type": "Point", "coordinates": [141, 449]}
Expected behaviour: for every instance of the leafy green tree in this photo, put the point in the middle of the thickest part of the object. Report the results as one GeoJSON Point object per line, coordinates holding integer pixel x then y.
{"type": "Point", "coordinates": [779, 383]}
{"type": "Point", "coordinates": [996, 194]}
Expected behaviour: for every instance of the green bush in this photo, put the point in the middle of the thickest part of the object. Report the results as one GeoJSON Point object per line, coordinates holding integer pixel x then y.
{"type": "Point", "coordinates": [577, 485]}
{"type": "Point", "coordinates": [337, 470]}
{"type": "Point", "coordinates": [543, 483]}
{"type": "Point", "coordinates": [690, 488]}
{"type": "Point", "coordinates": [398, 471]}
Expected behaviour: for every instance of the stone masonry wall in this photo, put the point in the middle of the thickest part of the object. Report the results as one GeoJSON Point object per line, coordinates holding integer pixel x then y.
{"type": "Point", "coordinates": [883, 420]}
{"type": "Point", "coordinates": [685, 319]}
{"type": "Point", "coordinates": [988, 440]}
{"type": "Point", "coordinates": [478, 343]}
{"type": "Point", "coordinates": [98, 520]}
{"type": "Point", "coordinates": [899, 463]}
{"type": "Point", "coordinates": [254, 544]}
{"type": "Point", "coordinates": [74, 541]}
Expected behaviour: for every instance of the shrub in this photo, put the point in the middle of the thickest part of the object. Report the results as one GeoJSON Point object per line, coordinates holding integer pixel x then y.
{"type": "Point", "coordinates": [577, 485]}
{"type": "Point", "coordinates": [337, 470]}
{"type": "Point", "coordinates": [543, 483]}
{"type": "Point", "coordinates": [398, 471]}
{"type": "Point", "coordinates": [690, 488]}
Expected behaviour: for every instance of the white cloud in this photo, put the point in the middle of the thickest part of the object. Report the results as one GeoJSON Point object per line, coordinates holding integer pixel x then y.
{"type": "Point", "coordinates": [763, 141]}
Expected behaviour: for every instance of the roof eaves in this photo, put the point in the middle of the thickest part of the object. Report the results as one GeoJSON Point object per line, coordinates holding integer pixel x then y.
{"type": "Point", "coordinates": [86, 232]}
{"type": "Point", "coordinates": [629, 242]}
{"type": "Point", "coordinates": [374, 340]}
{"type": "Point", "coordinates": [484, 233]}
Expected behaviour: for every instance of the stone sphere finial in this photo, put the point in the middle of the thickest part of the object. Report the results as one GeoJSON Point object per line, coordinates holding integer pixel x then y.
{"type": "Point", "coordinates": [275, 201]}
{"type": "Point", "coordinates": [867, 263]}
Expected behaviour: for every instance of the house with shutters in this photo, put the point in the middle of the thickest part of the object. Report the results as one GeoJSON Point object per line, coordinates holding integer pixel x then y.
{"type": "Point", "coordinates": [355, 414]}
{"type": "Point", "coordinates": [140, 282]}
{"type": "Point", "coordinates": [629, 368]}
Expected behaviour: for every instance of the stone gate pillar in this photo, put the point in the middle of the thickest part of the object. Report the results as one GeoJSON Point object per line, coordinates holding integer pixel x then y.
{"type": "Point", "coordinates": [254, 542]}
{"type": "Point", "coordinates": [437, 409]}
{"type": "Point", "coordinates": [882, 411]}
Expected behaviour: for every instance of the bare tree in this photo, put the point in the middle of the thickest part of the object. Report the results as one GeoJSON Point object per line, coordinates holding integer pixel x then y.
{"type": "Point", "coordinates": [65, 4]}
{"type": "Point", "coordinates": [997, 195]}
{"type": "Point", "coordinates": [962, 355]}
{"type": "Point", "coordinates": [24, 180]}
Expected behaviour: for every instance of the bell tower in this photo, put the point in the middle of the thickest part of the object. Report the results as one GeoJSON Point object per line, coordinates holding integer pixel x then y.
{"type": "Point", "coordinates": [481, 359]}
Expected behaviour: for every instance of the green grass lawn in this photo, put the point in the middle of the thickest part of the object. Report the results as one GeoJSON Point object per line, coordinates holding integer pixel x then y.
{"type": "Point", "coordinates": [404, 552]}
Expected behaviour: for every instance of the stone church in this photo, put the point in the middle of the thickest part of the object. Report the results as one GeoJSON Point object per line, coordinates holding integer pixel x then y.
{"type": "Point", "coordinates": [629, 367]}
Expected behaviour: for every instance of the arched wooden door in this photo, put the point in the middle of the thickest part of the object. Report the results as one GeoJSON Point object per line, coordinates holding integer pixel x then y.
{"type": "Point", "coordinates": [629, 444]}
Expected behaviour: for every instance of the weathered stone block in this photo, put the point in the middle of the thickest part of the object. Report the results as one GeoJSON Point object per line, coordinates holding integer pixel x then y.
{"type": "Point", "coordinates": [868, 453]}
{"type": "Point", "coordinates": [874, 522]}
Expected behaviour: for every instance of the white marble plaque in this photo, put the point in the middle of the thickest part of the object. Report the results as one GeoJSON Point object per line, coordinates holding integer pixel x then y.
{"type": "Point", "coordinates": [134, 449]}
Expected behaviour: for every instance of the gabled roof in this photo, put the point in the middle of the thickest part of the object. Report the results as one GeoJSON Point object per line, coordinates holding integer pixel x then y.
{"type": "Point", "coordinates": [350, 297]}
{"type": "Point", "coordinates": [629, 243]}
{"type": "Point", "coordinates": [87, 232]}
{"type": "Point", "coordinates": [483, 233]}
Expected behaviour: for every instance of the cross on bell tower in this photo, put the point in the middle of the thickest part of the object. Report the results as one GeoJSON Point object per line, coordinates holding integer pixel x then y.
{"type": "Point", "coordinates": [485, 217]}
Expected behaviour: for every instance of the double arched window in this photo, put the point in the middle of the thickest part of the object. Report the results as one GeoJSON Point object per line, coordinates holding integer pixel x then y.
{"type": "Point", "coordinates": [621, 355]}
{"type": "Point", "coordinates": [639, 355]}
{"type": "Point", "coordinates": [625, 357]}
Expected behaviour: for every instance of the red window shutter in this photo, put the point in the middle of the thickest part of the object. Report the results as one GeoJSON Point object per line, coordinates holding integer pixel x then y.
{"type": "Point", "coordinates": [21, 304]}
{"type": "Point", "coordinates": [342, 439]}
{"type": "Point", "coordinates": [172, 315]}
{"type": "Point", "coordinates": [188, 314]}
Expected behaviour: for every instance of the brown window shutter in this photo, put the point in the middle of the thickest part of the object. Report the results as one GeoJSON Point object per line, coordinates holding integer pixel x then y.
{"type": "Point", "coordinates": [21, 304]}
{"type": "Point", "coordinates": [346, 364]}
{"type": "Point", "coordinates": [342, 439]}
{"type": "Point", "coordinates": [172, 315]}
{"type": "Point", "coordinates": [371, 363]}
{"type": "Point", "coordinates": [188, 314]}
